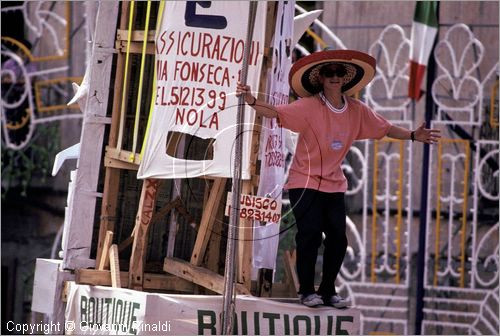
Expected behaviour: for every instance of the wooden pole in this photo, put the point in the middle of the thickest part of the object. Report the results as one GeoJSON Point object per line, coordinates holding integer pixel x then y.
{"type": "Point", "coordinates": [207, 220]}
{"type": "Point", "coordinates": [246, 227]}
{"type": "Point", "coordinates": [112, 175]}
{"type": "Point", "coordinates": [145, 214]}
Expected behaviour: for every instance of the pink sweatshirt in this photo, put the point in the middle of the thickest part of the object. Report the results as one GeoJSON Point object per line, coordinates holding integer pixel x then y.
{"type": "Point", "coordinates": [325, 138]}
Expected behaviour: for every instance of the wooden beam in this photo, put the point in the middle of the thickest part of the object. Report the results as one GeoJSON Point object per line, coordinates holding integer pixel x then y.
{"type": "Point", "coordinates": [126, 243]}
{"type": "Point", "coordinates": [110, 162]}
{"type": "Point", "coordinates": [114, 266]}
{"type": "Point", "coordinates": [213, 254]}
{"type": "Point", "coordinates": [207, 221]}
{"type": "Point", "coordinates": [145, 213]}
{"type": "Point", "coordinates": [152, 281]}
{"type": "Point", "coordinates": [137, 35]}
{"type": "Point", "coordinates": [111, 175]}
{"type": "Point", "coordinates": [290, 271]}
{"type": "Point", "coordinates": [104, 260]}
{"type": "Point", "coordinates": [199, 275]}
{"type": "Point", "coordinates": [135, 47]}
{"type": "Point", "coordinates": [123, 155]}
{"type": "Point", "coordinates": [83, 208]}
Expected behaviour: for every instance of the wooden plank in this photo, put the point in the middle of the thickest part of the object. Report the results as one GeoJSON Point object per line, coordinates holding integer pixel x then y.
{"type": "Point", "coordinates": [104, 258]}
{"type": "Point", "coordinates": [145, 214]}
{"type": "Point", "coordinates": [213, 254]}
{"type": "Point", "coordinates": [152, 281]}
{"type": "Point", "coordinates": [199, 275]}
{"type": "Point", "coordinates": [114, 266]}
{"type": "Point", "coordinates": [246, 226]}
{"type": "Point", "coordinates": [135, 47]}
{"type": "Point", "coordinates": [82, 210]}
{"type": "Point", "coordinates": [111, 175]}
{"type": "Point", "coordinates": [118, 164]}
{"type": "Point", "coordinates": [123, 155]}
{"type": "Point", "coordinates": [126, 243]}
{"type": "Point", "coordinates": [137, 35]}
{"type": "Point", "coordinates": [207, 221]}
{"type": "Point", "coordinates": [290, 271]}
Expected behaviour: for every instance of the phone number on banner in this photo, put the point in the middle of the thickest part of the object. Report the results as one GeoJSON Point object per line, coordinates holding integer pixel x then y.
{"type": "Point", "coordinates": [191, 96]}
{"type": "Point", "coordinates": [258, 208]}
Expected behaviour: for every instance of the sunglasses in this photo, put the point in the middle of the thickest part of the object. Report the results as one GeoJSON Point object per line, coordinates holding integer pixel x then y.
{"type": "Point", "coordinates": [328, 72]}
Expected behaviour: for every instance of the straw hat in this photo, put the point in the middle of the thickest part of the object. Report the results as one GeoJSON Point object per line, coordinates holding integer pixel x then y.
{"type": "Point", "coordinates": [304, 75]}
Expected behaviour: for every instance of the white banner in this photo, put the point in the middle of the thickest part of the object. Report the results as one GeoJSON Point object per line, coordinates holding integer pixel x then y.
{"type": "Point", "coordinates": [272, 143]}
{"type": "Point", "coordinates": [199, 54]}
{"type": "Point", "coordinates": [97, 310]}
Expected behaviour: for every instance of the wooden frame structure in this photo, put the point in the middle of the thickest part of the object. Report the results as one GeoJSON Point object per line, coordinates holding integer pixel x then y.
{"type": "Point", "coordinates": [202, 270]}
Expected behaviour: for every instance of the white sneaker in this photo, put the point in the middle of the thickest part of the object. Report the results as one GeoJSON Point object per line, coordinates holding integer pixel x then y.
{"type": "Point", "coordinates": [311, 300]}
{"type": "Point", "coordinates": [337, 301]}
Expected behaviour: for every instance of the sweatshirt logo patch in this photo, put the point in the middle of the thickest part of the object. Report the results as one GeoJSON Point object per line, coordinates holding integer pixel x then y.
{"type": "Point", "coordinates": [336, 145]}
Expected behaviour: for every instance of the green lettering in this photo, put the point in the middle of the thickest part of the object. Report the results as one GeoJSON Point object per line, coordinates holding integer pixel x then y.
{"type": "Point", "coordinates": [118, 316]}
{"type": "Point", "coordinates": [256, 323]}
{"type": "Point", "coordinates": [202, 325]}
{"type": "Point", "coordinates": [83, 310]}
{"type": "Point", "coordinates": [296, 320]}
{"type": "Point", "coordinates": [244, 326]}
{"type": "Point", "coordinates": [317, 325]}
{"type": "Point", "coordinates": [91, 311]}
{"type": "Point", "coordinates": [235, 324]}
{"type": "Point", "coordinates": [107, 301]}
{"type": "Point", "coordinates": [287, 324]}
{"type": "Point", "coordinates": [329, 330]}
{"type": "Point", "coordinates": [340, 319]}
{"type": "Point", "coordinates": [271, 317]}
{"type": "Point", "coordinates": [133, 318]}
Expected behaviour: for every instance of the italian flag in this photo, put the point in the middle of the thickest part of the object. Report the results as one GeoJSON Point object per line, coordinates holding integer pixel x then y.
{"type": "Point", "coordinates": [423, 32]}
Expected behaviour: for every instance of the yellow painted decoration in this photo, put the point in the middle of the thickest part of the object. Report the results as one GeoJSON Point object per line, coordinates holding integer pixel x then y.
{"type": "Point", "coordinates": [493, 96]}
{"type": "Point", "coordinates": [50, 82]}
{"type": "Point", "coordinates": [374, 210]}
{"type": "Point", "coordinates": [48, 58]}
{"type": "Point", "coordinates": [438, 212]}
{"type": "Point", "coordinates": [464, 213]}
{"type": "Point", "coordinates": [18, 125]}
{"type": "Point", "coordinates": [316, 38]}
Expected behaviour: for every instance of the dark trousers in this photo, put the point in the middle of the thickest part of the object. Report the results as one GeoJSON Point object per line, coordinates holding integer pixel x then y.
{"type": "Point", "coordinates": [316, 212]}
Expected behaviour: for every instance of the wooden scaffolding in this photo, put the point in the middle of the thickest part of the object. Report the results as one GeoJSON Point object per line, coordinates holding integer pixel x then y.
{"type": "Point", "coordinates": [141, 220]}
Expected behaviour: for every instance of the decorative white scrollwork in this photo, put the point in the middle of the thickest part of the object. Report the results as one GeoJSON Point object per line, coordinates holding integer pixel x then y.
{"type": "Point", "coordinates": [356, 181]}
{"type": "Point", "coordinates": [457, 91]}
{"type": "Point", "coordinates": [388, 91]}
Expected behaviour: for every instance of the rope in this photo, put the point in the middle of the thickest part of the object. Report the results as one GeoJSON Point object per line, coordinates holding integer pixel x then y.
{"type": "Point", "coordinates": [124, 89]}
{"type": "Point", "coordinates": [141, 81]}
{"type": "Point", "coordinates": [229, 294]}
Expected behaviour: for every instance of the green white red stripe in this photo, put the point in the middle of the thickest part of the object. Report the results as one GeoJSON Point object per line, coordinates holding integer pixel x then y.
{"type": "Point", "coordinates": [423, 32]}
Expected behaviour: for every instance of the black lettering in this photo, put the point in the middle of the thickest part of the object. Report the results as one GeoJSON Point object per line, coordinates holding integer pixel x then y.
{"type": "Point", "coordinates": [203, 21]}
